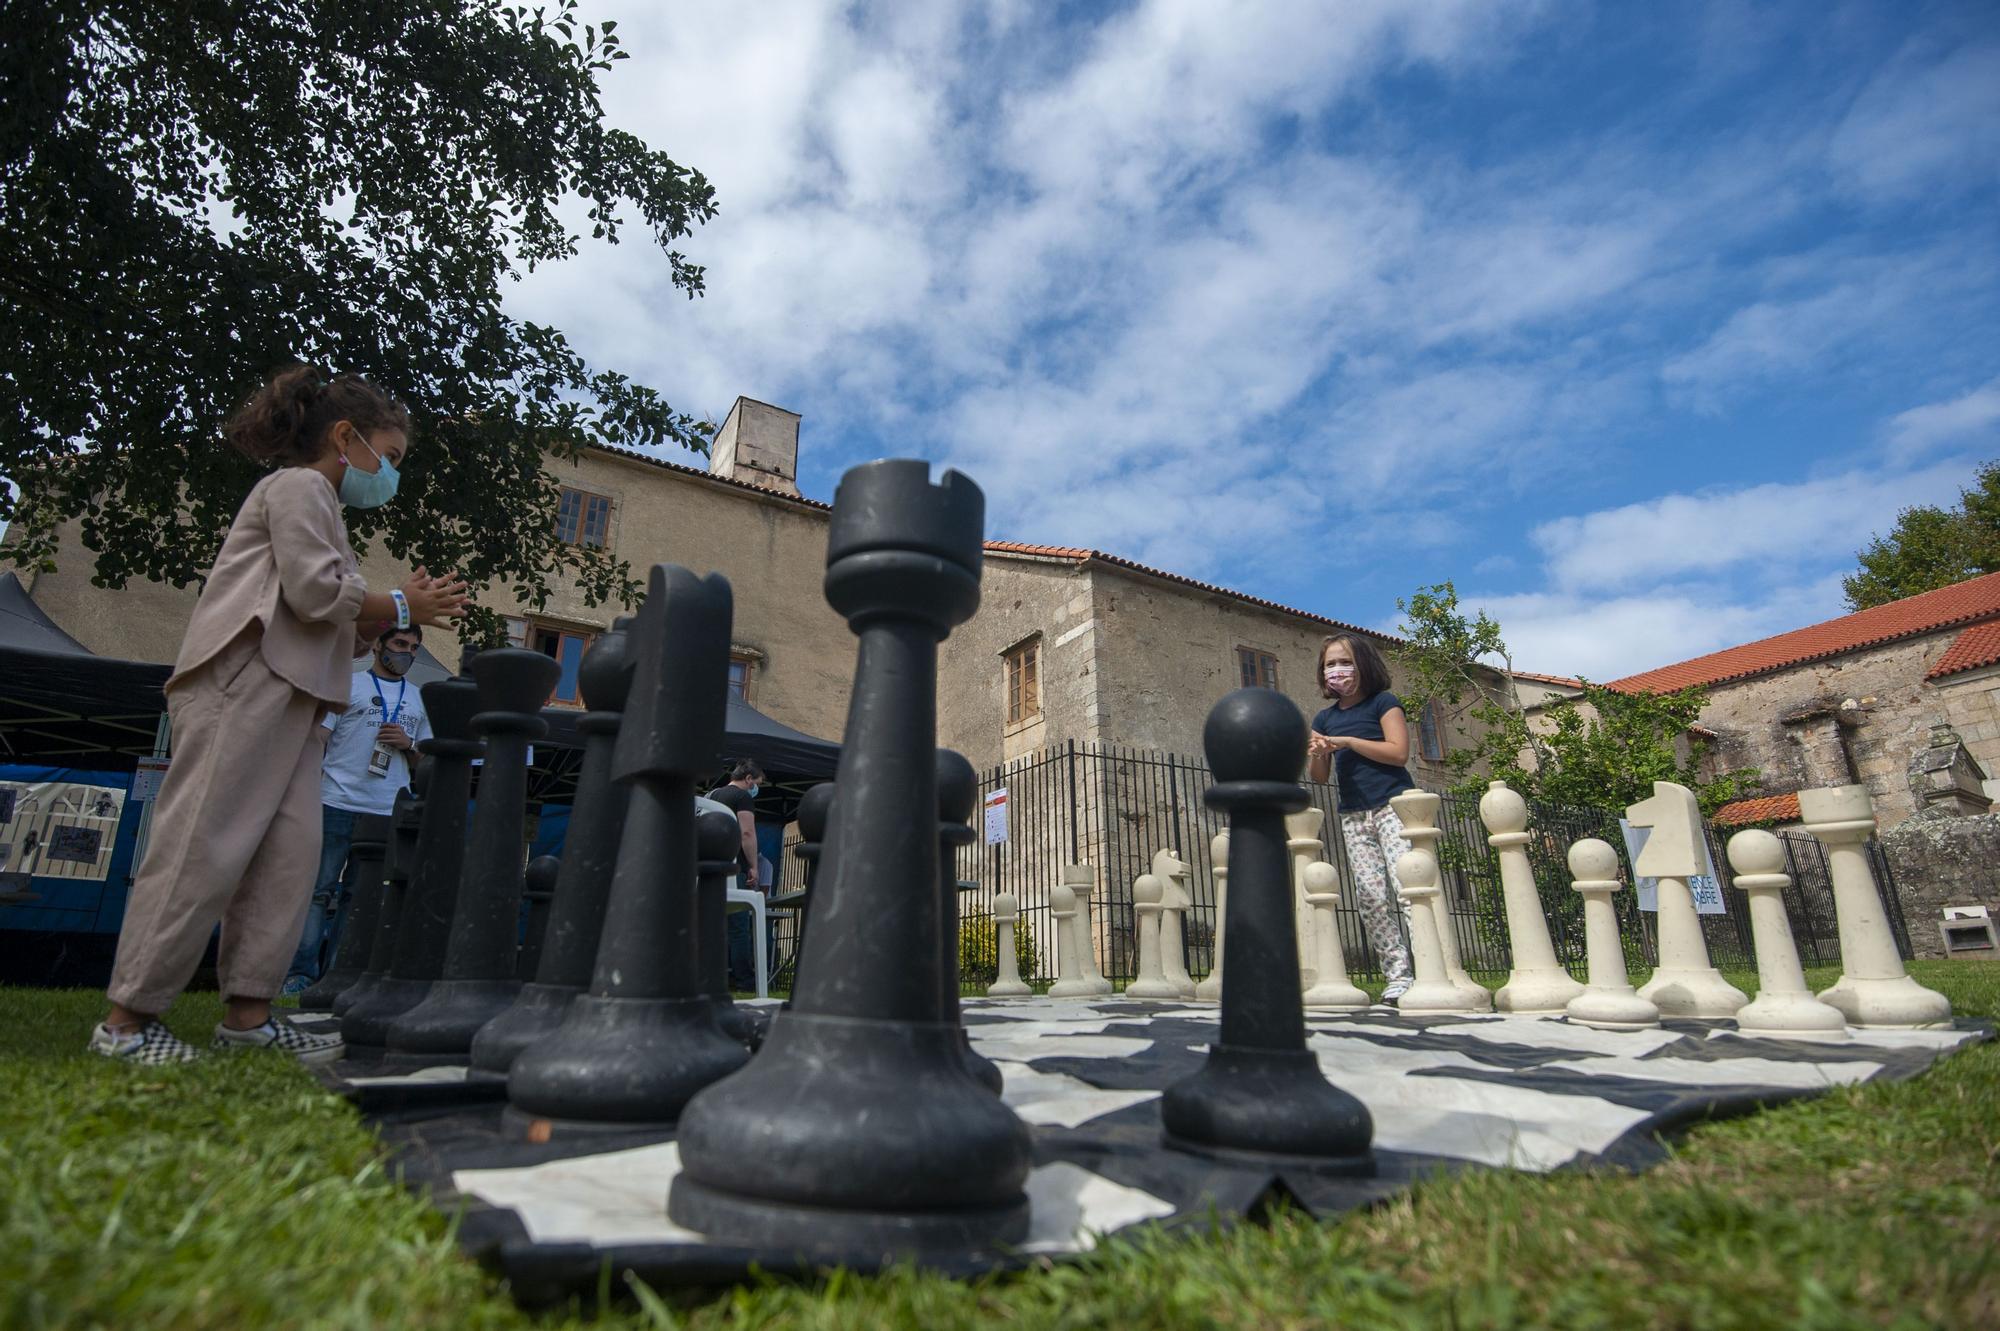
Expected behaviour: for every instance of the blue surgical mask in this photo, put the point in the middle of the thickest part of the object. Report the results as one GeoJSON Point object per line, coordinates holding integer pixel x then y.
{"type": "Point", "coordinates": [754, 788]}
{"type": "Point", "coordinates": [368, 489]}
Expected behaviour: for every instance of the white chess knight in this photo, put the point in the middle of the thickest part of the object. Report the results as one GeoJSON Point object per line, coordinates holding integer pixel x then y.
{"type": "Point", "coordinates": [1008, 983]}
{"type": "Point", "coordinates": [1210, 988]}
{"type": "Point", "coordinates": [1417, 810]}
{"type": "Point", "coordinates": [1069, 970]}
{"type": "Point", "coordinates": [1431, 990]}
{"type": "Point", "coordinates": [1148, 894]}
{"type": "Point", "coordinates": [1783, 1005]}
{"type": "Point", "coordinates": [1538, 985]}
{"type": "Point", "coordinates": [1609, 1001]}
{"type": "Point", "coordinates": [1333, 990]}
{"type": "Point", "coordinates": [1302, 839]}
{"type": "Point", "coordinates": [1684, 984]}
{"type": "Point", "coordinates": [1176, 897]}
{"type": "Point", "coordinates": [1873, 990]}
{"type": "Point", "coordinates": [1082, 880]}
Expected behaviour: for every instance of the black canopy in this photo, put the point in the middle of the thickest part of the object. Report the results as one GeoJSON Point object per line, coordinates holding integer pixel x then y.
{"type": "Point", "coordinates": [61, 705]}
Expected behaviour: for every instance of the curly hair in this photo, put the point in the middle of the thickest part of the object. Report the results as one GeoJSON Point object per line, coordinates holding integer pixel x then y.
{"type": "Point", "coordinates": [286, 421]}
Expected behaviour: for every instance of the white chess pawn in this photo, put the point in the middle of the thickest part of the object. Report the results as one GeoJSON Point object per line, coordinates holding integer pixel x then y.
{"type": "Point", "coordinates": [1783, 1005]}
{"type": "Point", "coordinates": [1147, 892]}
{"type": "Point", "coordinates": [1432, 989]}
{"type": "Point", "coordinates": [1302, 839]}
{"type": "Point", "coordinates": [1008, 983]}
{"type": "Point", "coordinates": [1417, 810]}
{"type": "Point", "coordinates": [1175, 898]}
{"type": "Point", "coordinates": [1684, 984]}
{"type": "Point", "coordinates": [1609, 1001]}
{"type": "Point", "coordinates": [1210, 988]}
{"type": "Point", "coordinates": [1873, 989]}
{"type": "Point", "coordinates": [1082, 880]}
{"type": "Point", "coordinates": [1069, 975]}
{"type": "Point", "coordinates": [1538, 984]}
{"type": "Point", "coordinates": [1333, 989]}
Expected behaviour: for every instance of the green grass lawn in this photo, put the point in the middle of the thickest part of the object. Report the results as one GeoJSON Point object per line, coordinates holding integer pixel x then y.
{"type": "Point", "coordinates": [234, 1193]}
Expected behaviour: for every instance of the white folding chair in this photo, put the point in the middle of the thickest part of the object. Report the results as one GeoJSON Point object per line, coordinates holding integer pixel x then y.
{"type": "Point", "coordinates": [739, 899]}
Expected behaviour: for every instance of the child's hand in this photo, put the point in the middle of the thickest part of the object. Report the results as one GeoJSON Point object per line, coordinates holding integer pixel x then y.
{"type": "Point", "coordinates": [432, 600]}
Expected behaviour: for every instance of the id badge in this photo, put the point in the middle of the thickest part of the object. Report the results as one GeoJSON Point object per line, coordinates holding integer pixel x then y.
{"type": "Point", "coordinates": [379, 760]}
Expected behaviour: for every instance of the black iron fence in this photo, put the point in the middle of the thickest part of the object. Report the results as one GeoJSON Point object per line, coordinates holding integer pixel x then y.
{"type": "Point", "coordinates": [1116, 808]}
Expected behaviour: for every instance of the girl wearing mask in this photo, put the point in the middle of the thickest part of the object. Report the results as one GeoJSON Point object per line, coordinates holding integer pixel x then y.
{"type": "Point", "coordinates": [1364, 738]}
{"type": "Point", "coordinates": [268, 652]}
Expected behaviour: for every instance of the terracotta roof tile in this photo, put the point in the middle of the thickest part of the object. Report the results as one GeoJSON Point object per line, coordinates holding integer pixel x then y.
{"type": "Point", "coordinates": [1764, 809]}
{"type": "Point", "coordinates": [1560, 681]}
{"type": "Point", "coordinates": [1961, 603]}
{"type": "Point", "coordinates": [1977, 646]}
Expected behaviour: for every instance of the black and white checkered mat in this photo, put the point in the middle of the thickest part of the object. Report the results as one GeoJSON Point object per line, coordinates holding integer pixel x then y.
{"type": "Point", "coordinates": [1446, 1092]}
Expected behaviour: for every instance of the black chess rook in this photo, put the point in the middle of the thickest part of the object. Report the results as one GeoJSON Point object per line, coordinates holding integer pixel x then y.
{"type": "Point", "coordinates": [858, 1123]}
{"type": "Point", "coordinates": [1260, 1096]}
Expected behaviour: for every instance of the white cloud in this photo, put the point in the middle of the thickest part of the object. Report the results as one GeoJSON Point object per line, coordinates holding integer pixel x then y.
{"type": "Point", "coordinates": [1923, 125]}
{"type": "Point", "coordinates": [1777, 526]}
{"type": "Point", "coordinates": [1921, 429]}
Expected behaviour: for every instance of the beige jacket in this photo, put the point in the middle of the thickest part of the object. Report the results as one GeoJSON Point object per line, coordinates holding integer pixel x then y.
{"type": "Point", "coordinates": [286, 567]}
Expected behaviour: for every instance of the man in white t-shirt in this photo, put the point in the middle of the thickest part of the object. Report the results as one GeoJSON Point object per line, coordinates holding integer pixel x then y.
{"type": "Point", "coordinates": [370, 755]}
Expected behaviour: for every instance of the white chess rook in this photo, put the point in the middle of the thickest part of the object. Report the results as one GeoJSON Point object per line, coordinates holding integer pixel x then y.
{"type": "Point", "coordinates": [1069, 974]}
{"type": "Point", "coordinates": [1538, 985]}
{"type": "Point", "coordinates": [1609, 1001]}
{"type": "Point", "coordinates": [1302, 840]}
{"type": "Point", "coordinates": [1008, 983]}
{"type": "Point", "coordinates": [1417, 810]}
{"type": "Point", "coordinates": [1333, 990]}
{"type": "Point", "coordinates": [1783, 1005]}
{"type": "Point", "coordinates": [1147, 892]}
{"type": "Point", "coordinates": [1683, 984]}
{"type": "Point", "coordinates": [1175, 899]}
{"type": "Point", "coordinates": [1873, 989]}
{"type": "Point", "coordinates": [1432, 989]}
{"type": "Point", "coordinates": [1082, 880]}
{"type": "Point", "coordinates": [1210, 988]}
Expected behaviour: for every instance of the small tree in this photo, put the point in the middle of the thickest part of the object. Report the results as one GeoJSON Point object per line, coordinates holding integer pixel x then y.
{"type": "Point", "coordinates": [1931, 547]}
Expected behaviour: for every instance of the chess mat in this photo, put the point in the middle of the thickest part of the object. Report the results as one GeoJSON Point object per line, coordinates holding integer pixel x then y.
{"type": "Point", "coordinates": [1446, 1092]}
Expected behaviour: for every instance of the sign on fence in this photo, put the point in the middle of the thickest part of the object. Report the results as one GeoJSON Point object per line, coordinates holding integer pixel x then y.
{"type": "Point", "coordinates": [146, 779]}
{"type": "Point", "coordinates": [996, 817]}
{"type": "Point", "coordinates": [1706, 887]}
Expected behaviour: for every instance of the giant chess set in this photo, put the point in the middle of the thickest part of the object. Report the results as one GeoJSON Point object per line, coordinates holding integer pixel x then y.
{"type": "Point", "coordinates": [593, 1094]}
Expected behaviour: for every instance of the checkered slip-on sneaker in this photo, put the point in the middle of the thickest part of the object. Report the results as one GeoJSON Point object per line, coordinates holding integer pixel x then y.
{"type": "Point", "coordinates": [281, 1035]}
{"type": "Point", "coordinates": [152, 1044]}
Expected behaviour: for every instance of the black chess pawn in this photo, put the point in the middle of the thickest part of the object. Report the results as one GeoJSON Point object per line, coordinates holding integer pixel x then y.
{"type": "Point", "coordinates": [958, 792]}
{"type": "Point", "coordinates": [590, 855]}
{"type": "Point", "coordinates": [630, 1052]}
{"type": "Point", "coordinates": [1260, 1096]}
{"type": "Point", "coordinates": [478, 983]}
{"type": "Point", "coordinates": [857, 1126]}
{"type": "Point", "coordinates": [396, 867]}
{"type": "Point", "coordinates": [718, 838]}
{"type": "Point", "coordinates": [424, 932]}
{"type": "Point", "coordinates": [538, 895]}
{"type": "Point", "coordinates": [357, 934]}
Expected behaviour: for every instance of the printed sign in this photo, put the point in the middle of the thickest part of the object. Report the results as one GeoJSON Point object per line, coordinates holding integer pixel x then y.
{"type": "Point", "coordinates": [1706, 887]}
{"type": "Point", "coordinates": [146, 779]}
{"type": "Point", "coordinates": [59, 829]}
{"type": "Point", "coordinates": [996, 817]}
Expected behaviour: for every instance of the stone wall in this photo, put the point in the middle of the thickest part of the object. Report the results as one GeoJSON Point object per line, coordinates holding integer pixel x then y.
{"type": "Point", "coordinates": [1051, 601]}
{"type": "Point", "coordinates": [1938, 861]}
{"type": "Point", "coordinates": [1854, 717]}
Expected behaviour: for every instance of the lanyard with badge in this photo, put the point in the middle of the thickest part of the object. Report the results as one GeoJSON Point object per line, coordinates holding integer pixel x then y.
{"type": "Point", "coordinates": [384, 757]}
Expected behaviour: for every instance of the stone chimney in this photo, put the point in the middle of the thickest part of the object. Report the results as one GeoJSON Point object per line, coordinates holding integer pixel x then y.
{"type": "Point", "coordinates": [1945, 779]}
{"type": "Point", "coordinates": [758, 444]}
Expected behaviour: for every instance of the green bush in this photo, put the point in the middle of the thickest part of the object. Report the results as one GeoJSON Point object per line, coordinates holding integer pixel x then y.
{"type": "Point", "coordinates": [979, 955]}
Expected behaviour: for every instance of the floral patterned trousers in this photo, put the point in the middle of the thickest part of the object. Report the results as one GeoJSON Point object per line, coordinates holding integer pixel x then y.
{"type": "Point", "coordinates": [1374, 842]}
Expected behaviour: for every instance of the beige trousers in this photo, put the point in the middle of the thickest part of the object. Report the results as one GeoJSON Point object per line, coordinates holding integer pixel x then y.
{"type": "Point", "coordinates": [235, 835]}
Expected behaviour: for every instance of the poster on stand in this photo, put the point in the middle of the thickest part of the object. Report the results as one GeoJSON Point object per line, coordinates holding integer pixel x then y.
{"type": "Point", "coordinates": [59, 829]}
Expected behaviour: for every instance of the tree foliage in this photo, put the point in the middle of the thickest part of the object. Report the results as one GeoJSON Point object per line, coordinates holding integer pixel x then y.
{"type": "Point", "coordinates": [1931, 547]}
{"type": "Point", "coordinates": [194, 194]}
{"type": "Point", "coordinates": [1603, 749]}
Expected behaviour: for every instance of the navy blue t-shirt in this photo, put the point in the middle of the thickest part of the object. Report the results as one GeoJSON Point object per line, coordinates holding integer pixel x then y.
{"type": "Point", "coordinates": [1363, 782]}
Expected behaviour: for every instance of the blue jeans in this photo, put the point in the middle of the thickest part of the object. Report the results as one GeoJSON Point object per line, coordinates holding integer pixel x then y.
{"type": "Point", "coordinates": [330, 896]}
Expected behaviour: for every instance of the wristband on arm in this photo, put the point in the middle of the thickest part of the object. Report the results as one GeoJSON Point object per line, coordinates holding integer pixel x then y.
{"type": "Point", "coordinates": [402, 603]}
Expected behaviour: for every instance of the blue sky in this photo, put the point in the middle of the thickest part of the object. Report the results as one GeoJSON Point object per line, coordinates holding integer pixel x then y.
{"type": "Point", "coordinates": [1635, 321]}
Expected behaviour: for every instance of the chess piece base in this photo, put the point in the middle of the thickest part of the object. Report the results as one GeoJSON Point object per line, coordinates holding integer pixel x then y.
{"type": "Point", "coordinates": [1898, 1003]}
{"type": "Point", "coordinates": [1008, 989]}
{"type": "Point", "coordinates": [1256, 1104]}
{"type": "Point", "coordinates": [1475, 996]}
{"type": "Point", "coordinates": [983, 1069]}
{"type": "Point", "coordinates": [1792, 1016]}
{"type": "Point", "coordinates": [1688, 992]}
{"type": "Point", "coordinates": [537, 1012]}
{"type": "Point", "coordinates": [322, 995]}
{"type": "Point", "coordinates": [1073, 989]}
{"type": "Point", "coordinates": [346, 1000]}
{"type": "Point", "coordinates": [1608, 1009]}
{"type": "Point", "coordinates": [447, 1021]}
{"type": "Point", "coordinates": [1537, 994]}
{"type": "Point", "coordinates": [366, 1024]}
{"type": "Point", "coordinates": [1335, 998]}
{"type": "Point", "coordinates": [624, 1062]}
{"type": "Point", "coordinates": [1164, 989]}
{"type": "Point", "coordinates": [754, 1222]}
{"type": "Point", "coordinates": [1431, 996]}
